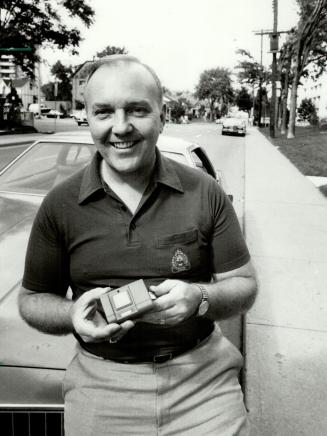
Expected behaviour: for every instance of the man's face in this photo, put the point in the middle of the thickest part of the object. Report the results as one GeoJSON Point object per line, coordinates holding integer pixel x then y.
{"type": "Point", "coordinates": [124, 116]}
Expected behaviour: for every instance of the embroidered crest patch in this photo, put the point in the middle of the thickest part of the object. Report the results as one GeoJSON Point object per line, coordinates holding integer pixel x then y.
{"type": "Point", "coordinates": [180, 261]}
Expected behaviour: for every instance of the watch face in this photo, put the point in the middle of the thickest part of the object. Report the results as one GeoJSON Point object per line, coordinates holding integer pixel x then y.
{"type": "Point", "coordinates": [204, 306]}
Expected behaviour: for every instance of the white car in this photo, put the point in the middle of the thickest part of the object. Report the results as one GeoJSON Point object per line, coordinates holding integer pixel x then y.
{"type": "Point", "coordinates": [233, 125]}
{"type": "Point", "coordinates": [81, 118]}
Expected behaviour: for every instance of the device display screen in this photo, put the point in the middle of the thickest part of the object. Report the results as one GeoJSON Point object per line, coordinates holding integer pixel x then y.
{"type": "Point", "coordinates": [122, 299]}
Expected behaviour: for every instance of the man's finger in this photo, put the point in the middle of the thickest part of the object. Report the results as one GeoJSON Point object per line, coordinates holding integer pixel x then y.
{"type": "Point", "coordinates": [163, 288]}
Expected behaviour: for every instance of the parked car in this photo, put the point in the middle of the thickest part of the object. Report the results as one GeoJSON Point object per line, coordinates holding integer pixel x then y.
{"type": "Point", "coordinates": [81, 118]}
{"type": "Point", "coordinates": [33, 363]}
{"type": "Point", "coordinates": [55, 114]}
{"type": "Point", "coordinates": [34, 107]}
{"type": "Point", "coordinates": [232, 125]}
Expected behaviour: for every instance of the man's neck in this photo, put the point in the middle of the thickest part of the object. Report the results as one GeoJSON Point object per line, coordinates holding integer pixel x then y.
{"type": "Point", "coordinates": [137, 180]}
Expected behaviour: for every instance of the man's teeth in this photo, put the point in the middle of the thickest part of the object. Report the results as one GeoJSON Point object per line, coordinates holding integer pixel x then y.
{"type": "Point", "coordinates": [127, 144]}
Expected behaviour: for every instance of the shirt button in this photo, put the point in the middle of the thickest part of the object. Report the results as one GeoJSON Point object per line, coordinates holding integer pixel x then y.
{"type": "Point", "coordinates": [133, 226]}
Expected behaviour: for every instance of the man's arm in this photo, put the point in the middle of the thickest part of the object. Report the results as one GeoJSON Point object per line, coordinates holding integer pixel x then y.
{"type": "Point", "coordinates": [57, 315]}
{"type": "Point", "coordinates": [231, 293]}
{"type": "Point", "coordinates": [46, 312]}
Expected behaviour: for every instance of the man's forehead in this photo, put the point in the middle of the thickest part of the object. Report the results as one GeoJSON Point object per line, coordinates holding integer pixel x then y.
{"type": "Point", "coordinates": [131, 70]}
{"type": "Point", "coordinates": [128, 75]}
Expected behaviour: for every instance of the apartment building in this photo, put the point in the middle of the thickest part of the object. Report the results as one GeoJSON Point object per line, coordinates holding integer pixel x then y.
{"type": "Point", "coordinates": [317, 91]}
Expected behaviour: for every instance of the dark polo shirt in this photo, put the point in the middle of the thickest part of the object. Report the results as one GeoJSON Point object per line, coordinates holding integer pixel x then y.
{"type": "Point", "coordinates": [84, 237]}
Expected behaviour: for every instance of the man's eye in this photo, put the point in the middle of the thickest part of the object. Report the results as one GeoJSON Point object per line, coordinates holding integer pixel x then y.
{"type": "Point", "coordinates": [139, 111]}
{"type": "Point", "coordinates": [102, 113]}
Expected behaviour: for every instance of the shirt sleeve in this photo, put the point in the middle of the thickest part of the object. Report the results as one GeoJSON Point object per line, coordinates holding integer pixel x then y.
{"type": "Point", "coordinates": [46, 262]}
{"type": "Point", "coordinates": [229, 250]}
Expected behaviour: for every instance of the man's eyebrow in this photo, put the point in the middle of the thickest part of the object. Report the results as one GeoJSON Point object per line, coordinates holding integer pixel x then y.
{"type": "Point", "coordinates": [102, 106]}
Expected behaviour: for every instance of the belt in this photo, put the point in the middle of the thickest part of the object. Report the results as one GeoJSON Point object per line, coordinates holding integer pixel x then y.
{"type": "Point", "coordinates": [160, 357]}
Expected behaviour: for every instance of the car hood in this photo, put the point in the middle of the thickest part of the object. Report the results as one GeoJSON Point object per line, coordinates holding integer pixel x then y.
{"type": "Point", "coordinates": [21, 345]}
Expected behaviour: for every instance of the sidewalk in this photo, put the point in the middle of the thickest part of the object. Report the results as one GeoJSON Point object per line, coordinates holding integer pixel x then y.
{"type": "Point", "coordinates": [286, 330]}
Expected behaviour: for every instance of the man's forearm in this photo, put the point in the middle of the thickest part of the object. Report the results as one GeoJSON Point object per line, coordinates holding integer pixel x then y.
{"type": "Point", "coordinates": [230, 297]}
{"type": "Point", "coordinates": [46, 312]}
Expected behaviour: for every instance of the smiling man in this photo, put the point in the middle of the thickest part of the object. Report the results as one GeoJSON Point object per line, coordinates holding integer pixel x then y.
{"type": "Point", "coordinates": [134, 214]}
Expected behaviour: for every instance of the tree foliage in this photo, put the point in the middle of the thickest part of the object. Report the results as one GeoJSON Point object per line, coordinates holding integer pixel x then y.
{"type": "Point", "coordinates": [215, 86]}
{"type": "Point", "coordinates": [249, 71]}
{"type": "Point", "coordinates": [111, 50]}
{"type": "Point", "coordinates": [309, 48]}
{"type": "Point", "coordinates": [28, 24]}
{"type": "Point", "coordinates": [63, 75]}
{"type": "Point", "coordinates": [243, 99]}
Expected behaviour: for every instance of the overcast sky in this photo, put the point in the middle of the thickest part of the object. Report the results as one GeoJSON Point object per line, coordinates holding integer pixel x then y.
{"type": "Point", "coordinates": [180, 38]}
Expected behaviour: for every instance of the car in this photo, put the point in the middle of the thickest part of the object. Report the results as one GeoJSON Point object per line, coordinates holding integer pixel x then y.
{"type": "Point", "coordinates": [81, 118]}
{"type": "Point", "coordinates": [33, 363]}
{"type": "Point", "coordinates": [233, 125]}
{"type": "Point", "coordinates": [55, 114]}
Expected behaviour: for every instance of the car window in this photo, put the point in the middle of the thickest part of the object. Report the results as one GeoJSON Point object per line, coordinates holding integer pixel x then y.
{"type": "Point", "coordinates": [202, 162]}
{"type": "Point", "coordinates": [45, 165]}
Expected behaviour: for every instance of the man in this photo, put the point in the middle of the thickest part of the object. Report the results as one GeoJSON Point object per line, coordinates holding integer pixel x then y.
{"type": "Point", "coordinates": [134, 214]}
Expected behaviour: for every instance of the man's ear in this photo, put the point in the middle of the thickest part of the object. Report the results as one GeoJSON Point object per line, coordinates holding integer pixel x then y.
{"type": "Point", "coordinates": [162, 119]}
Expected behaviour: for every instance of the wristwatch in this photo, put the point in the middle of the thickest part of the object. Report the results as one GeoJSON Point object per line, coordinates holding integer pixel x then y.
{"type": "Point", "coordinates": [204, 304]}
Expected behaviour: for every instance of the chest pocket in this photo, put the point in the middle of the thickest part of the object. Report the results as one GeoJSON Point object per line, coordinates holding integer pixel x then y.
{"type": "Point", "coordinates": [180, 253]}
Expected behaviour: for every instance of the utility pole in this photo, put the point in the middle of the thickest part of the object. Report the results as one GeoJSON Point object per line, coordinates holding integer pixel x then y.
{"type": "Point", "coordinates": [261, 33]}
{"type": "Point", "coordinates": [274, 49]}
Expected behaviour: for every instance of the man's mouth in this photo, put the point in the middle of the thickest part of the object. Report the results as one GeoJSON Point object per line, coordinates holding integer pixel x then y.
{"type": "Point", "coordinates": [122, 145]}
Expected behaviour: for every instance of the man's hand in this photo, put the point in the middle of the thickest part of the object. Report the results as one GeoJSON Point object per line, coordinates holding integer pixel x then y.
{"type": "Point", "coordinates": [176, 301]}
{"type": "Point", "coordinates": [88, 322]}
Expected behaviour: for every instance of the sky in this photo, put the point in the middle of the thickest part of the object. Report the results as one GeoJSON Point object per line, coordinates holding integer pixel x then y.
{"type": "Point", "coordinates": [179, 38]}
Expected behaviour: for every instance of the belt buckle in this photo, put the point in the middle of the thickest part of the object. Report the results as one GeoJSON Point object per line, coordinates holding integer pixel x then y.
{"type": "Point", "coordinates": [161, 358]}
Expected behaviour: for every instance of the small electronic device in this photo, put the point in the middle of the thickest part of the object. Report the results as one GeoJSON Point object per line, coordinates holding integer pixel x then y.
{"type": "Point", "coordinates": [126, 302]}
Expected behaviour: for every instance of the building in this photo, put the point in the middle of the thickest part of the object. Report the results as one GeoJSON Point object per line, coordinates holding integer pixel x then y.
{"type": "Point", "coordinates": [8, 70]}
{"type": "Point", "coordinates": [78, 82]}
{"type": "Point", "coordinates": [316, 90]}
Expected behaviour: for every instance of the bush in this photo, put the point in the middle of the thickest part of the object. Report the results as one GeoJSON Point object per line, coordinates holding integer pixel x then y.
{"type": "Point", "coordinates": [308, 112]}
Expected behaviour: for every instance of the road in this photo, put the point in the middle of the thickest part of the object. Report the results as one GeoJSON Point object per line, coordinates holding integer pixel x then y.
{"type": "Point", "coordinates": [226, 152]}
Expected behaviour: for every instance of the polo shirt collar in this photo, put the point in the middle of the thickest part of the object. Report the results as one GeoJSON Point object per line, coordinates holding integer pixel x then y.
{"type": "Point", "coordinates": [91, 180]}
{"type": "Point", "coordinates": [165, 174]}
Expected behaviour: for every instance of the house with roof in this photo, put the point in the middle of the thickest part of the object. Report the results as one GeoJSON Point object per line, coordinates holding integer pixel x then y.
{"type": "Point", "coordinates": [78, 83]}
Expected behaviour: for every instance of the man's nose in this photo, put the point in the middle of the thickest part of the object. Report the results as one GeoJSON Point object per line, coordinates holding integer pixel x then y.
{"type": "Point", "coordinates": [121, 124]}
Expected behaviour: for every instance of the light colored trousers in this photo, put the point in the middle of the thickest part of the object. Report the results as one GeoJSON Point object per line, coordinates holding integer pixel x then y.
{"type": "Point", "coordinates": [194, 394]}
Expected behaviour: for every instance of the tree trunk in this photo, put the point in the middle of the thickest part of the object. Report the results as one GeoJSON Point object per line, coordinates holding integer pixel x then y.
{"type": "Point", "coordinates": [284, 104]}
{"type": "Point", "coordinates": [291, 125]}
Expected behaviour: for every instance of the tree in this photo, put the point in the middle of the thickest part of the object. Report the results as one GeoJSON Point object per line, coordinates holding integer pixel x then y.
{"type": "Point", "coordinates": [111, 50]}
{"type": "Point", "coordinates": [253, 74]}
{"type": "Point", "coordinates": [27, 24]}
{"type": "Point", "coordinates": [63, 75]}
{"type": "Point", "coordinates": [215, 86]}
{"type": "Point", "coordinates": [307, 111]}
{"type": "Point", "coordinates": [177, 110]}
{"type": "Point", "coordinates": [285, 76]}
{"type": "Point", "coordinates": [309, 48]}
{"type": "Point", "coordinates": [243, 100]}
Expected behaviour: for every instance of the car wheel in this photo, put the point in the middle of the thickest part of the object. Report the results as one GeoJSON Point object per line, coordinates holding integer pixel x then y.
{"type": "Point", "coordinates": [223, 133]}
{"type": "Point", "coordinates": [78, 123]}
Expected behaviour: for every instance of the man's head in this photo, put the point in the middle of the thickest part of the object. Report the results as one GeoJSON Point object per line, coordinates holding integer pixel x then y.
{"type": "Point", "coordinates": [123, 100]}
